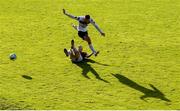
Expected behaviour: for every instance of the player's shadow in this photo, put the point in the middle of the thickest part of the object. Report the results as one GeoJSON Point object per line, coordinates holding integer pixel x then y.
{"type": "Point", "coordinates": [92, 61]}
{"type": "Point", "coordinates": [154, 92]}
{"type": "Point", "coordinates": [88, 68]}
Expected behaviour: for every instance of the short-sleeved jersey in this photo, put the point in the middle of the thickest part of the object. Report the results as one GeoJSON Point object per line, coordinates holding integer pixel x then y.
{"type": "Point", "coordinates": [83, 25]}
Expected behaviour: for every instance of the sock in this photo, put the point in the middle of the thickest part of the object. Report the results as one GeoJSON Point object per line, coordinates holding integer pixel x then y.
{"type": "Point", "coordinates": [92, 48]}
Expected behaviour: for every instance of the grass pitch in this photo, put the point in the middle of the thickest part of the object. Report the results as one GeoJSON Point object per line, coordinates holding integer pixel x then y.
{"type": "Point", "coordinates": [138, 66]}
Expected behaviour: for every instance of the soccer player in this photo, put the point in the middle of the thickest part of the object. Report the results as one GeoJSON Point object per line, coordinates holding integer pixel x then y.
{"type": "Point", "coordinates": [82, 28]}
{"type": "Point", "coordinates": [76, 55]}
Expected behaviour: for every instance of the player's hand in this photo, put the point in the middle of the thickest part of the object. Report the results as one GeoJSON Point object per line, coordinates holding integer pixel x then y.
{"type": "Point", "coordinates": [64, 11]}
{"type": "Point", "coordinates": [103, 34]}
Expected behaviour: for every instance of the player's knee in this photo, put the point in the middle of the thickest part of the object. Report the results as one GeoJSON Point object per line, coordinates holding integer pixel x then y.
{"type": "Point", "coordinates": [88, 40]}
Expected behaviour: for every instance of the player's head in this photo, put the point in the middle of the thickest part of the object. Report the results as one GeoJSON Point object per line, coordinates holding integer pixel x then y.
{"type": "Point", "coordinates": [87, 17]}
{"type": "Point", "coordinates": [80, 48]}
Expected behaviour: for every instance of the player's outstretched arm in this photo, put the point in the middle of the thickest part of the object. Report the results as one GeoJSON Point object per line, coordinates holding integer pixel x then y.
{"type": "Point", "coordinates": [97, 27]}
{"type": "Point", "coordinates": [69, 15]}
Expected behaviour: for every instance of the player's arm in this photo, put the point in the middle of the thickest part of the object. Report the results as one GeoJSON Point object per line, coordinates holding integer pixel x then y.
{"type": "Point", "coordinates": [97, 27]}
{"type": "Point", "coordinates": [69, 15]}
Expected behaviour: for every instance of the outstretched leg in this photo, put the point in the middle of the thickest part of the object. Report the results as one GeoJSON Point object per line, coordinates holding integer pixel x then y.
{"type": "Point", "coordinates": [74, 51]}
{"type": "Point", "coordinates": [87, 38]}
{"type": "Point", "coordinates": [66, 52]}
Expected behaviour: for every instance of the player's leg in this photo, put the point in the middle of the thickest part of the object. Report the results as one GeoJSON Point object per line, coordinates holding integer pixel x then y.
{"type": "Point", "coordinates": [70, 52]}
{"type": "Point", "coordinates": [84, 36]}
{"type": "Point", "coordinates": [76, 52]}
{"type": "Point", "coordinates": [88, 39]}
{"type": "Point", "coordinates": [72, 44]}
{"type": "Point", "coordinates": [66, 52]}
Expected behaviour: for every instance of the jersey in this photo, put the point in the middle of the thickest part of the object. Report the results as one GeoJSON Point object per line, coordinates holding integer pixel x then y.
{"type": "Point", "coordinates": [83, 25]}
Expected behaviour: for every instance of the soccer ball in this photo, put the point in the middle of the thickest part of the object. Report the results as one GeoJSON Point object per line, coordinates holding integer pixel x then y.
{"type": "Point", "coordinates": [12, 56]}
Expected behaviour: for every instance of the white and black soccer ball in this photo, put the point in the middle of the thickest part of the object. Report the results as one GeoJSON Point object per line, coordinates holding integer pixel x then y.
{"type": "Point", "coordinates": [12, 56]}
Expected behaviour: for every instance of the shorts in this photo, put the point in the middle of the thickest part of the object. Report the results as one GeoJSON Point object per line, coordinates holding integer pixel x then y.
{"type": "Point", "coordinates": [82, 34]}
{"type": "Point", "coordinates": [79, 59]}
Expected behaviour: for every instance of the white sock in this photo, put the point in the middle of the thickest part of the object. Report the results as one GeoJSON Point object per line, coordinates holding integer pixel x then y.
{"type": "Point", "coordinates": [92, 48]}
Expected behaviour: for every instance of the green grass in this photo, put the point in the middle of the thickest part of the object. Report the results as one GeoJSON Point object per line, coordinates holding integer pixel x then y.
{"type": "Point", "coordinates": [141, 47]}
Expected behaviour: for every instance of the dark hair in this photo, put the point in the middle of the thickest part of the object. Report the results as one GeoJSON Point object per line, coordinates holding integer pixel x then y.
{"type": "Point", "coordinates": [87, 16]}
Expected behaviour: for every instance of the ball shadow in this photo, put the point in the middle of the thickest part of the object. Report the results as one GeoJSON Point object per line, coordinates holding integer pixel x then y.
{"type": "Point", "coordinates": [27, 77]}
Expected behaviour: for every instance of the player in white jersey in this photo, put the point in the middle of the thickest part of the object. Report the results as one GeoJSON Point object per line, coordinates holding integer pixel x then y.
{"type": "Point", "coordinates": [82, 28]}
{"type": "Point", "coordinates": [76, 55]}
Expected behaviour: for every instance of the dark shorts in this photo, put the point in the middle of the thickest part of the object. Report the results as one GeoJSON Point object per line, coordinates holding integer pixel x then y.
{"type": "Point", "coordinates": [82, 34]}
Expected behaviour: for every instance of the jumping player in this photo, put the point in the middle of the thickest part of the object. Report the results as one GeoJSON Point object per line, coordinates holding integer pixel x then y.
{"type": "Point", "coordinates": [82, 28]}
{"type": "Point", "coordinates": [76, 55]}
